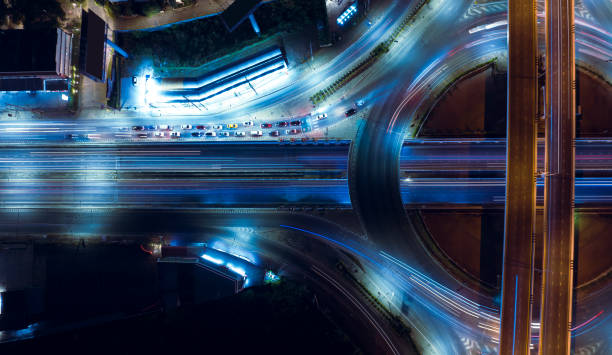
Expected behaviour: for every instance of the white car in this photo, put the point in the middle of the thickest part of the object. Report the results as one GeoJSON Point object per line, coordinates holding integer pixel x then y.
{"type": "Point", "coordinates": [164, 127]}
{"type": "Point", "coordinates": [256, 133]}
{"type": "Point", "coordinates": [321, 116]}
{"type": "Point", "coordinates": [248, 123]}
{"type": "Point", "coordinates": [175, 134]}
{"type": "Point", "coordinates": [186, 126]}
{"type": "Point", "coordinates": [211, 134]}
{"type": "Point", "coordinates": [240, 134]}
{"type": "Point", "coordinates": [218, 126]}
{"type": "Point", "coordinates": [159, 135]}
{"type": "Point", "coordinates": [224, 134]}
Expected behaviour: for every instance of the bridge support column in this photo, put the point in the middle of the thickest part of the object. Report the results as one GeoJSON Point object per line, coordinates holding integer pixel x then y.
{"type": "Point", "coordinates": [117, 48]}
{"type": "Point", "coordinates": [254, 24]}
{"type": "Point", "coordinates": [558, 244]}
{"type": "Point", "coordinates": [519, 229]}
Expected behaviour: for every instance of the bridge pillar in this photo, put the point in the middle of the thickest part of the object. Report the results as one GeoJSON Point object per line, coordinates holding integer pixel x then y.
{"type": "Point", "coordinates": [254, 24]}
{"type": "Point", "coordinates": [117, 48]}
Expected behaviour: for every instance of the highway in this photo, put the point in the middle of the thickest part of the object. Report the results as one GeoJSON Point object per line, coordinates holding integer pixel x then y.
{"type": "Point", "coordinates": [558, 241]}
{"type": "Point", "coordinates": [435, 157]}
{"type": "Point", "coordinates": [520, 203]}
{"type": "Point", "coordinates": [166, 176]}
{"type": "Point", "coordinates": [601, 11]}
{"type": "Point", "coordinates": [107, 191]}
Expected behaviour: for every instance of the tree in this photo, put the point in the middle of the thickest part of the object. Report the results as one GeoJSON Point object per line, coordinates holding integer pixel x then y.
{"type": "Point", "coordinates": [36, 13]}
{"type": "Point", "coordinates": [3, 13]}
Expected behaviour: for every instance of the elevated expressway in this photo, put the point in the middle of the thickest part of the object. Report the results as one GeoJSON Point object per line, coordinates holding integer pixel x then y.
{"type": "Point", "coordinates": [432, 51]}
{"type": "Point", "coordinates": [558, 243]}
{"type": "Point", "coordinates": [431, 174]}
{"type": "Point", "coordinates": [520, 209]}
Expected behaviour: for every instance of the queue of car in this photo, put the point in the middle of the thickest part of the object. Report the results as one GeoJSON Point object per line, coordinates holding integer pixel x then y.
{"type": "Point", "coordinates": [201, 130]}
{"type": "Point", "coordinates": [293, 127]}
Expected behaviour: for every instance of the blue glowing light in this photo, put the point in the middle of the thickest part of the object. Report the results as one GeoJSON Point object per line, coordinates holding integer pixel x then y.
{"type": "Point", "coordinates": [345, 246]}
{"type": "Point", "coordinates": [211, 259]}
{"type": "Point", "coordinates": [347, 14]}
{"type": "Point", "coordinates": [236, 269]}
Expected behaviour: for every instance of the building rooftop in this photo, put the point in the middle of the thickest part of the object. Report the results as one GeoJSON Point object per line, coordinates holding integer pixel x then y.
{"type": "Point", "coordinates": [31, 51]}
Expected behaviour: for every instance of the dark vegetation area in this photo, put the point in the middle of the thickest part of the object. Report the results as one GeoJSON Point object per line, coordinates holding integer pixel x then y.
{"type": "Point", "coordinates": [197, 42]}
{"type": "Point", "coordinates": [34, 14]}
{"type": "Point", "coordinates": [271, 319]}
{"type": "Point", "coordinates": [140, 8]}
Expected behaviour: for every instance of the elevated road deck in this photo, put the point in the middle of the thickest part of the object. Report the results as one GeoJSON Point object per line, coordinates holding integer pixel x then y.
{"type": "Point", "coordinates": [558, 244]}
{"type": "Point", "coordinates": [520, 178]}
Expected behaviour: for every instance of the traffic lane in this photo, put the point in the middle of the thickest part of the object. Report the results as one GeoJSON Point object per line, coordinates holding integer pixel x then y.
{"type": "Point", "coordinates": [417, 157]}
{"type": "Point", "coordinates": [405, 301]}
{"type": "Point", "coordinates": [455, 155]}
{"type": "Point", "coordinates": [601, 11]}
{"type": "Point", "coordinates": [375, 156]}
{"type": "Point", "coordinates": [177, 194]}
{"type": "Point", "coordinates": [174, 193]}
{"type": "Point", "coordinates": [173, 157]}
{"type": "Point", "coordinates": [491, 191]}
{"type": "Point", "coordinates": [316, 261]}
{"type": "Point", "coordinates": [429, 156]}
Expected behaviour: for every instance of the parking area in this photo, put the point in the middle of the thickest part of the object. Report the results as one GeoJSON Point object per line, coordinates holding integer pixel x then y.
{"type": "Point", "coordinates": [25, 104]}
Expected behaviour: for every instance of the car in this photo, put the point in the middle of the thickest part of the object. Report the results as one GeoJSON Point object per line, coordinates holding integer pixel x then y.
{"type": "Point", "coordinates": [211, 134]}
{"type": "Point", "coordinates": [175, 134]}
{"type": "Point", "coordinates": [197, 134]}
{"type": "Point", "coordinates": [266, 125]}
{"type": "Point", "coordinates": [296, 123]}
{"type": "Point", "coordinates": [158, 134]}
{"type": "Point", "coordinates": [248, 123]}
{"type": "Point", "coordinates": [360, 102]}
{"type": "Point", "coordinates": [186, 126]}
{"type": "Point", "coordinates": [350, 112]}
{"type": "Point", "coordinates": [256, 133]}
{"type": "Point", "coordinates": [143, 135]}
{"type": "Point", "coordinates": [164, 127]}
{"type": "Point", "coordinates": [224, 134]}
{"type": "Point", "coordinates": [275, 133]}
{"type": "Point", "coordinates": [72, 136]}
{"type": "Point", "coordinates": [138, 128]}
{"type": "Point", "coordinates": [232, 125]}
{"type": "Point", "coordinates": [321, 116]}
{"type": "Point", "coordinates": [201, 127]}
{"type": "Point", "coordinates": [217, 126]}
{"type": "Point", "coordinates": [283, 124]}
{"type": "Point", "coordinates": [240, 134]}
{"type": "Point", "coordinates": [293, 131]}
{"type": "Point", "coordinates": [135, 80]}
